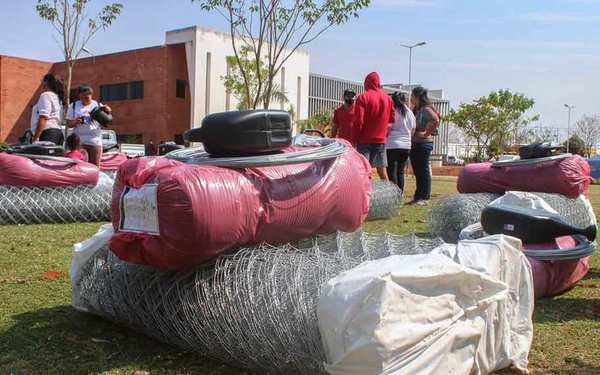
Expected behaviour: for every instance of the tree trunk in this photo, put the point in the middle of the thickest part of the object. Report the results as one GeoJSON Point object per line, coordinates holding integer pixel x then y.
{"type": "Point", "coordinates": [68, 93]}
{"type": "Point", "coordinates": [267, 94]}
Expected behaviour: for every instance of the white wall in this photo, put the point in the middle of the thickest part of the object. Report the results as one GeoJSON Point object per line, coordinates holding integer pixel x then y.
{"type": "Point", "coordinates": [199, 42]}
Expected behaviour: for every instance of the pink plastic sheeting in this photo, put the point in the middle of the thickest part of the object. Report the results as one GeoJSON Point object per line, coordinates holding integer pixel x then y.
{"type": "Point", "coordinates": [203, 211]}
{"type": "Point", "coordinates": [18, 170]}
{"type": "Point", "coordinates": [569, 176]}
{"type": "Point", "coordinates": [112, 162]}
{"type": "Point", "coordinates": [552, 278]}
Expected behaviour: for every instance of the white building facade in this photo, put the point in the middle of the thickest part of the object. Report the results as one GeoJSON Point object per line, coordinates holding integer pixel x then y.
{"type": "Point", "coordinates": [206, 55]}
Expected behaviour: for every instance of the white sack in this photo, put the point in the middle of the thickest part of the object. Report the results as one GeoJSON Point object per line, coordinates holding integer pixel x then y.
{"type": "Point", "coordinates": [82, 252]}
{"type": "Point", "coordinates": [457, 310]}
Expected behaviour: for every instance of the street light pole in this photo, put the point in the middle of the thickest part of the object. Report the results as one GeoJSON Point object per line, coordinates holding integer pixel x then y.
{"type": "Point", "coordinates": [410, 48]}
{"type": "Point", "coordinates": [569, 107]}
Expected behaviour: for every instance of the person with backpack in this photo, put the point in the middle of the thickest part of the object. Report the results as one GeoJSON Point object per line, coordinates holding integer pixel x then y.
{"type": "Point", "coordinates": [47, 113]}
{"type": "Point", "coordinates": [399, 140]}
{"type": "Point", "coordinates": [374, 111]}
{"type": "Point", "coordinates": [87, 129]}
{"type": "Point", "coordinates": [427, 122]}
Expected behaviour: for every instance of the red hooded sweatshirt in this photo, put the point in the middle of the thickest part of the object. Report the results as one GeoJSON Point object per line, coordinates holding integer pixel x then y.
{"type": "Point", "coordinates": [374, 110]}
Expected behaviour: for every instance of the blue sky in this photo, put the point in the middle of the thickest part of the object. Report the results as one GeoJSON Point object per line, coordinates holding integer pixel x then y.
{"type": "Point", "coordinates": [546, 49]}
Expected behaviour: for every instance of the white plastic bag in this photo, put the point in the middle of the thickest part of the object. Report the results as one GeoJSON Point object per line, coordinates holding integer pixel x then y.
{"type": "Point", "coordinates": [458, 310]}
{"type": "Point", "coordinates": [82, 253]}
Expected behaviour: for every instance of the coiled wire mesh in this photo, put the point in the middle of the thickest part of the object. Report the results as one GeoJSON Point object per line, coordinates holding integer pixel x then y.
{"type": "Point", "coordinates": [386, 200]}
{"type": "Point", "coordinates": [454, 213]}
{"type": "Point", "coordinates": [255, 309]}
{"type": "Point", "coordinates": [53, 205]}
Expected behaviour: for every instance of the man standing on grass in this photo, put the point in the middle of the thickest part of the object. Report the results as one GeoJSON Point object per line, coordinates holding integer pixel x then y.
{"type": "Point", "coordinates": [342, 124]}
{"type": "Point", "coordinates": [374, 110]}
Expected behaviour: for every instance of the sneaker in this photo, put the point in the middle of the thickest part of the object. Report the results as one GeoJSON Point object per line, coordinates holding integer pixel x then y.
{"type": "Point", "coordinates": [421, 203]}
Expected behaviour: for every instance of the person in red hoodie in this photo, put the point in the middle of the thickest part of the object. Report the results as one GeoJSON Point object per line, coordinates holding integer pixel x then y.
{"type": "Point", "coordinates": [374, 111]}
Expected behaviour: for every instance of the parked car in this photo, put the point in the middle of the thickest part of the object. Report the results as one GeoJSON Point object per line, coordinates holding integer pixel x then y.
{"type": "Point", "coordinates": [453, 160]}
{"type": "Point", "coordinates": [507, 157]}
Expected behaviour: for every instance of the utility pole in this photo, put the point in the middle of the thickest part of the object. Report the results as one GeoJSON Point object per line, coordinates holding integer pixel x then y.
{"type": "Point", "coordinates": [569, 107]}
{"type": "Point", "coordinates": [410, 48]}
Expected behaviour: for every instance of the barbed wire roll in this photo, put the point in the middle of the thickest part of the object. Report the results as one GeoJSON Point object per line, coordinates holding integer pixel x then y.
{"type": "Point", "coordinates": [56, 205]}
{"type": "Point", "coordinates": [454, 213]}
{"type": "Point", "coordinates": [386, 200]}
{"type": "Point", "coordinates": [255, 309]}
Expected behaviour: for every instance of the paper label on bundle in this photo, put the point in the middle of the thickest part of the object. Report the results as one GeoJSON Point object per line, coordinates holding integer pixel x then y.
{"type": "Point", "coordinates": [139, 210]}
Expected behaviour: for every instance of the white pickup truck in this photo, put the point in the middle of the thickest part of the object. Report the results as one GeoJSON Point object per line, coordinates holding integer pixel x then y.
{"type": "Point", "coordinates": [110, 144]}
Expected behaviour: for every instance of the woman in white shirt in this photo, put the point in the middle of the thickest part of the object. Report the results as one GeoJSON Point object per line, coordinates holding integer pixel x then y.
{"type": "Point", "coordinates": [399, 139]}
{"type": "Point", "coordinates": [48, 116]}
{"type": "Point", "coordinates": [88, 129]}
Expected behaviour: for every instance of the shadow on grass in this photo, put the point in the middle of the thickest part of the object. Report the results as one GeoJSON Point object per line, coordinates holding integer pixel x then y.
{"type": "Point", "coordinates": [60, 340]}
{"type": "Point", "coordinates": [592, 274]}
{"type": "Point", "coordinates": [566, 309]}
{"type": "Point", "coordinates": [573, 366]}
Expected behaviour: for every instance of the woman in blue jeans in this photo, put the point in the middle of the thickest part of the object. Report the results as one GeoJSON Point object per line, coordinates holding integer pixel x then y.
{"type": "Point", "coordinates": [428, 121]}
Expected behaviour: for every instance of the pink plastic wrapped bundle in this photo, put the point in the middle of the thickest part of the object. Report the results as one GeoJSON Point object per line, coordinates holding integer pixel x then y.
{"type": "Point", "coordinates": [173, 215]}
{"type": "Point", "coordinates": [21, 171]}
{"type": "Point", "coordinates": [568, 176]}
{"type": "Point", "coordinates": [112, 162]}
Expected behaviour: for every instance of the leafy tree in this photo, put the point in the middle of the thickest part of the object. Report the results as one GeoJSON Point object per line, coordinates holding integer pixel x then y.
{"type": "Point", "coordinates": [273, 30]}
{"type": "Point", "coordinates": [494, 122]}
{"type": "Point", "coordinates": [545, 134]}
{"type": "Point", "coordinates": [475, 122]}
{"type": "Point", "coordinates": [257, 73]}
{"type": "Point", "coordinates": [576, 145]}
{"type": "Point", "coordinates": [588, 129]}
{"type": "Point", "coordinates": [74, 28]}
{"type": "Point", "coordinates": [320, 121]}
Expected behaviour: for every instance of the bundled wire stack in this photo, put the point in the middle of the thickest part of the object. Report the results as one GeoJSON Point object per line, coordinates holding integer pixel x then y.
{"type": "Point", "coordinates": [255, 309]}
{"type": "Point", "coordinates": [455, 212]}
{"type": "Point", "coordinates": [386, 200]}
{"type": "Point", "coordinates": [51, 205]}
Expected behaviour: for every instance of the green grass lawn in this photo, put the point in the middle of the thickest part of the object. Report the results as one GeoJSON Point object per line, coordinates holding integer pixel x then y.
{"type": "Point", "coordinates": [41, 334]}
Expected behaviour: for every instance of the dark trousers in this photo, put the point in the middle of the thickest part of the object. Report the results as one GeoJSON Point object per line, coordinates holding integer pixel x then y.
{"type": "Point", "coordinates": [419, 160]}
{"type": "Point", "coordinates": [53, 135]}
{"type": "Point", "coordinates": [397, 158]}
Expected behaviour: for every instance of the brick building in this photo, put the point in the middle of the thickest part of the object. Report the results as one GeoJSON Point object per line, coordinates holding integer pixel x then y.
{"type": "Point", "coordinates": [156, 93]}
{"type": "Point", "coordinates": [20, 81]}
{"type": "Point", "coordinates": [146, 88]}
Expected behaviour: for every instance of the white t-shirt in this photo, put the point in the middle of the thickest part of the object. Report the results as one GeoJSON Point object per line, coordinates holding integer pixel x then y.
{"type": "Point", "coordinates": [48, 105]}
{"type": "Point", "coordinates": [90, 132]}
{"type": "Point", "coordinates": [399, 133]}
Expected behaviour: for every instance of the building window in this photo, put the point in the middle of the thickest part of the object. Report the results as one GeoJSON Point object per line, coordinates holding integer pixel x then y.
{"type": "Point", "coordinates": [122, 91]}
{"type": "Point", "coordinates": [130, 138]}
{"type": "Point", "coordinates": [180, 88]}
{"type": "Point", "coordinates": [73, 95]}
